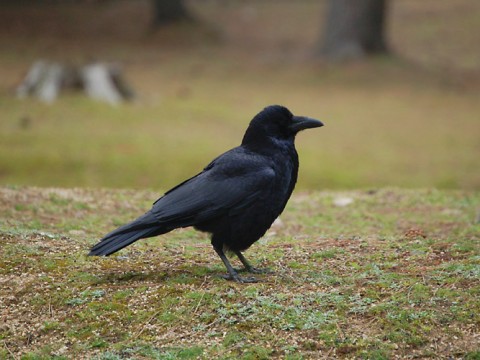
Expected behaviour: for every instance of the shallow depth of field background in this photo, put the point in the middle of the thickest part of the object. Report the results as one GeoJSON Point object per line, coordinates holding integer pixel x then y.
{"type": "Point", "coordinates": [411, 119]}
{"type": "Point", "coordinates": [377, 253]}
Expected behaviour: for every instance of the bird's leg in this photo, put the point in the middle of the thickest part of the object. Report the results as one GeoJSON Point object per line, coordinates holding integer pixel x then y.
{"type": "Point", "coordinates": [249, 267]}
{"type": "Point", "coordinates": [233, 275]}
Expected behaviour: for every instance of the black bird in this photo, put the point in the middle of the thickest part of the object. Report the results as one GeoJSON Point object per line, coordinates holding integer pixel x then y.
{"type": "Point", "coordinates": [236, 197]}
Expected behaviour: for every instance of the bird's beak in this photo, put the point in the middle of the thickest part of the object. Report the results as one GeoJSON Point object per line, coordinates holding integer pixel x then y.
{"type": "Point", "coordinates": [300, 123]}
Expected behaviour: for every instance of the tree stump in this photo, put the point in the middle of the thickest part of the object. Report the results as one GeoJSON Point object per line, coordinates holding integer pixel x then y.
{"type": "Point", "coordinates": [100, 81]}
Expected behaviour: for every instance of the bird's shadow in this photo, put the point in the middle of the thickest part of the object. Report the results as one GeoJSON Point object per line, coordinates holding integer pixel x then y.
{"type": "Point", "coordinates": [186, 275]}
{"type": "Point", "coordinates": [190, 275]}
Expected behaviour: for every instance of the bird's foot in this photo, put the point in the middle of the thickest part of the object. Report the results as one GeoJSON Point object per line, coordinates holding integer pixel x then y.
{"type": "Point", "coordinates": [239, 279]}
{"type": "Point", "coordinates": [255, 270]}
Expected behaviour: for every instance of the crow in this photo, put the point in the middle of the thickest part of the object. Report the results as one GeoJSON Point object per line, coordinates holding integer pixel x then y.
{"type": "Point", "coordinates": [236, 197]}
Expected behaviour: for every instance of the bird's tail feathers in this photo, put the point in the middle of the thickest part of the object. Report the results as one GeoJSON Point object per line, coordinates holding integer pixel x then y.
{"type": "Point", "coordinates": [143, 227]}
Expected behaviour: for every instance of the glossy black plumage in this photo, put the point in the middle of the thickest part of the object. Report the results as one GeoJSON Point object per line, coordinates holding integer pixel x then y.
{"type": "Point", "coordinates": [236, 197]}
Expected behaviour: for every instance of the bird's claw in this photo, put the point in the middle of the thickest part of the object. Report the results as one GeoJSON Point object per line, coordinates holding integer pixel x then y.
{"type": "Point", "coordinates": [255, 270]}
{"type": "Point", "coordinates": [239, 279]}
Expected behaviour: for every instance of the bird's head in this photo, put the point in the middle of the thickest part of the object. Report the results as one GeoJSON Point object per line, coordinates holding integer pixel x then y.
{"type": "Point", "coordinates": [277, 122]}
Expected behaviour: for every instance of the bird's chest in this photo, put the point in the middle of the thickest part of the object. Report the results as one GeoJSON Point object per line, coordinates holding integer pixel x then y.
{"type": "Point", "coordinates": [285, 166]}
{"type": "Point", "coordinates": [270, 204]}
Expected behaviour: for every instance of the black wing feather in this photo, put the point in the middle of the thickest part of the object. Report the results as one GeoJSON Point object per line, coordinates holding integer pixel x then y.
{"type": "Point", "coordinates": [206, 196]}
{"type": "Point", "coordinates": [227, 186]}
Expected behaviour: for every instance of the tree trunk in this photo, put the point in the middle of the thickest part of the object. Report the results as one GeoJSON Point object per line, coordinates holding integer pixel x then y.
{"type": "Point", "coordinates": [169, 11]}
{"type": "Point", "coordinates": [354, 29]}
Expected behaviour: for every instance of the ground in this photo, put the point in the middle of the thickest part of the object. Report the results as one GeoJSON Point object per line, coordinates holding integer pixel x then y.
{"type": "Point", "coordinates": [379, 274]}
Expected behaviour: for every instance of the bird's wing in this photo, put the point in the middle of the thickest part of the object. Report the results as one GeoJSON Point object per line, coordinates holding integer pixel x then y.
{"type": "Point", "coordinates": [211, 194]}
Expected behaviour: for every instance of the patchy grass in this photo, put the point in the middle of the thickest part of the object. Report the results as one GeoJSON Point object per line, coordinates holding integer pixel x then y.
{"type": "Point", "coordinates": [395, 274]}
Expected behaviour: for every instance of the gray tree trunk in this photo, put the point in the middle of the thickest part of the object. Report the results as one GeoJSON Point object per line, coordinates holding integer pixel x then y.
{"type": "Point", "coordinates": [354, 29]}
{"type": "Point", "coordinates": [169, 11]}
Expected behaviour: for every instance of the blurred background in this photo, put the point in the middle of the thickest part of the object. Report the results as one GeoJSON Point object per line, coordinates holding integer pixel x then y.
{"type": "Point", "coordinates": [397, 83]}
